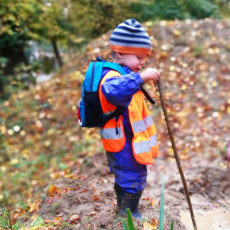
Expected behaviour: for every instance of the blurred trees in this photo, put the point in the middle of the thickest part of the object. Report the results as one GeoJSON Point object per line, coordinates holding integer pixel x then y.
{"type": "Point", "coordinates": [72, 23]}
{"type": "Point", "coordinates": [178, 9]}
{"type": "Point", "coordinates": [92, 18]}
{"type": "Point", "coordinates": [24, 21]}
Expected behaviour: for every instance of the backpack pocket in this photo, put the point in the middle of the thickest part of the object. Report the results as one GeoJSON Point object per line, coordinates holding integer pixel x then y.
{"type": "Point", "coordinates": [81, 114]}
{"type": "Point", "coordinates": [91, 111]}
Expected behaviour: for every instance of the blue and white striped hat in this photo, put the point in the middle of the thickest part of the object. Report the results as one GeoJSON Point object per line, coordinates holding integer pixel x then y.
{"type": "Point", "coordinates": [130, 37]}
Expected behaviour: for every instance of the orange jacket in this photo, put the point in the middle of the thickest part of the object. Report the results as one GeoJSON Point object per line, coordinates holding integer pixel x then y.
{"type": "Point", "coordinates": [144, 141]}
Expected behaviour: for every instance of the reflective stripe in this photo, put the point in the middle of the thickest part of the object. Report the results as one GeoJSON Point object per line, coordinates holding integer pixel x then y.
{"type": "Point", "coordinates": [109, 112]}
{"type": "Point", "coordinates": [142, 147]}
{"type": "Point", "coordinates": [145, 146]}
{"type": "Point", "coordinates": [148, 121]}
{"type": "Point", "coordinates": [139, 126]}
{"type": "Point", "coordinates": [110, 133]}
{"type": "Point", "coordinates": [153, 140]}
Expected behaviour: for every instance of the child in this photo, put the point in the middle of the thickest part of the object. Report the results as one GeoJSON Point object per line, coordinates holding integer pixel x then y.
{"type": "Point", "coordinates": [130, 139]}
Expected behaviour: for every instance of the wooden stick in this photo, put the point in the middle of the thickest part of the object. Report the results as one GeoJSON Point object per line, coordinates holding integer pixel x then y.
{"type": "Point", "coordinates": [159, 84]}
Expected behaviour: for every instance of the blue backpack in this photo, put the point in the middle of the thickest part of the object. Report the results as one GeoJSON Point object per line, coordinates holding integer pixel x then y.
{"type": "Point", "coordinates": [90, 113]}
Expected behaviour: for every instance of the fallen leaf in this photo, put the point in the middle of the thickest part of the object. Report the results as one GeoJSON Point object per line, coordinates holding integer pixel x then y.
{"type": "Point", "coordinates": [50, 201]}
{"type": "Point", "coordinates": [152, 202]}
{"type": "Point", "coordinates": [96, 198]}
{"type": "Point", "coordinates": [74, 219]}
{"type": "Point", "coordinates": [34, 206]}
{"type": "Point", "coordinates": [58, 219]}
{"type": "Point", "coordinates": [154, 221]}
{"type": "Point", "coordinates": [53, 191]}
{"type": "Point", "coordinates": [148, 226]}
{"type": "Point", "coordinates": [93, 213]}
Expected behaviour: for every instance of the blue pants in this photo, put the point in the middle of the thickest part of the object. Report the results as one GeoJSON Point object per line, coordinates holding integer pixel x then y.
{"type": "Point", "coordinates": [129, 174]}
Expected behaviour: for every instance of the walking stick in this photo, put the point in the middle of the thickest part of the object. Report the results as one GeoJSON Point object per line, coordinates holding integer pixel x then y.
{"type": "Point", "coordinates": [159, 84]}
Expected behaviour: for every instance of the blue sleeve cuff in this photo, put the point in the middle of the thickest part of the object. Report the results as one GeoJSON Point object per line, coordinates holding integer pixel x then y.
{"type": "Point", "coordinates": [139, 79]}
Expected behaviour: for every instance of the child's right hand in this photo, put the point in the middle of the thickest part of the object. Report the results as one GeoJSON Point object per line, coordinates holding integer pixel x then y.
{"type": "Point", "coordinates": [150, 74]}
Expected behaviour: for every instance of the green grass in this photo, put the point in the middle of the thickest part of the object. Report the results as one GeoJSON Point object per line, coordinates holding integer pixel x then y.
{"type": "Point", "coordinates": [128, 223]}
{"type": "Point", "coordinates": [5, 220]}
{"type": "Point", "coordinates": [161, 221]}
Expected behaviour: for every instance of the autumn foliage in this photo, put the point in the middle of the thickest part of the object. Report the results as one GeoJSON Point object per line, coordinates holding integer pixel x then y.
{"type": "Point", "coordinates": [42, 142]}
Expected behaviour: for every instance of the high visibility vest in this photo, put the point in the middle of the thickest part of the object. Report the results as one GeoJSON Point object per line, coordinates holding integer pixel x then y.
{"type": "Point", "coordinates": [144, 141]}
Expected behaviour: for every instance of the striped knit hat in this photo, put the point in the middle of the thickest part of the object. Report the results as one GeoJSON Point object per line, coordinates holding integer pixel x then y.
{"type": "Point", "coordinates": [131, 38]}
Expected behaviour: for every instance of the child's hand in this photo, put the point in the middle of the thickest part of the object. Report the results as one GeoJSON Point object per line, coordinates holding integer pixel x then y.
{"type": "Point", "coordinates": [150, 74]}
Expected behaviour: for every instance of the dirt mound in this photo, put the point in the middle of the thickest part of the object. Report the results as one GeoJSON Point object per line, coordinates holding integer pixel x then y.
{"type": "Point", "coordinates": [89, 201]}
{"type": "Point", "coordinates": [211, 182]}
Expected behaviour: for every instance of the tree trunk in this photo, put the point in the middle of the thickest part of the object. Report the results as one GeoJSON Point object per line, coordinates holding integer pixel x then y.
{"type": "Point", "coordinates": [1, 86]}
{"type": "Point", "coordinates": [56, 51]}
{"type": "Point", "coordinates": [15, 55]}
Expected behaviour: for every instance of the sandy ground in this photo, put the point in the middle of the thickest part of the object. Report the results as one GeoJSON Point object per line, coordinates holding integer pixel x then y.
{"type": "Point", "coordinates": [89, 202]}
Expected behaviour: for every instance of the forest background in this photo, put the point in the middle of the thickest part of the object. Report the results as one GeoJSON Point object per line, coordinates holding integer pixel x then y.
{"type": "Point", "coordinates": [58, 38]}
{"type": "Point", "coordinates": [62, 28]}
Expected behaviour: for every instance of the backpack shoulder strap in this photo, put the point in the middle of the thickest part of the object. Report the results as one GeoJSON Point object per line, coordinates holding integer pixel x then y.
{"type": "Point", "coordinates": [93, 76]}
{"type": "Point", "coordinates": [114, 66]}
{"type": "Point", "coordinates": [111, 65]}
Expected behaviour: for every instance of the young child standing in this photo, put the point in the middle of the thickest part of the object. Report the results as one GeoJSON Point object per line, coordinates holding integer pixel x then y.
{"type": "Point", "coordinates": [130, 139]}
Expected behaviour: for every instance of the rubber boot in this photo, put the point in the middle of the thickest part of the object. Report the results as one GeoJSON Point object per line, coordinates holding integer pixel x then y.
{"type": "Point", "coordinates": [117, 189]}
{"type": "Point", "coordinates": [129, 200]}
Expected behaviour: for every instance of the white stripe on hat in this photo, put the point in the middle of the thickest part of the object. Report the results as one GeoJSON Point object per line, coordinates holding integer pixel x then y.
{"type": "Point", "coordinates": [130, 38]}
{"type": "Point", "coordinates": [128, 32]}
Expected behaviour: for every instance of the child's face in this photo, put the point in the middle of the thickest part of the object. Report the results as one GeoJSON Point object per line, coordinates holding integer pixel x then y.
{"type": "Point", "coordinates": [135, 62]}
